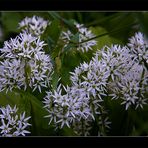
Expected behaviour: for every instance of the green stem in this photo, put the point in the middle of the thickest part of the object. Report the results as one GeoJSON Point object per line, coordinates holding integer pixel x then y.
{"type": "Point", "coordinates": [145, 64]}
{"type": "Point", "coordinates": [104, 34]}
{"type": "Point", "coordinates": [102, 126]}
{"type": "Point", "coordinates": [26, 77]}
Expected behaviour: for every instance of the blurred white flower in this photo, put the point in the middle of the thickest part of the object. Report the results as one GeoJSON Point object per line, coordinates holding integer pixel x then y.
{"type": "Point", "coordinates": [138, 45]}
{"type": "Point", "coordinates": [11, 123]}
{"type": "Point", "coordinates": [132, 87]}
{"type": "Point", "coordinates": [84, 35]}
{"type": "Point", "coordinates": [34, 25]}
{"type": "Point", "coordinates": [83, 100]}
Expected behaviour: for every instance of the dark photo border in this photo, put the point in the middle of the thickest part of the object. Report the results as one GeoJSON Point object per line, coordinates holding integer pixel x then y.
{"type": "Point", "coordinates": [74, 142]}
{"type": "Point", "coordinates": [73, 5]}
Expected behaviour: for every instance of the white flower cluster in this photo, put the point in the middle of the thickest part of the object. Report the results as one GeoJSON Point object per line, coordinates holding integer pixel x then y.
{"type": "Point", "coordinates": [24, 63]}
{"type": "Point", "coordinates": [114, 72]}
{"type": "Point", "coordinates": [34, 25]}
{"type": "Point", "coordinates": [84, 44]}
{"type": "Point", "coordinates": [138, 45]}
{"type": "Point", "coordinates": [128, 78]}
{"type": "Point", "coordinates": [65, 108]}
{"type": "Point", "coordinates": [80, 103]}
{"type": "Point", "coordinates": [12, 124]}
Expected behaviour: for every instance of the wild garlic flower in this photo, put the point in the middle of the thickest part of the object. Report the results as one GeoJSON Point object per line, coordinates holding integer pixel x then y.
{"type": "Point", "coordinates": [81, 101]}
{"type": "Point", "coordinates": [73, 108]}
{"type": "Point", "coordinates": [132, 87]}
{"type": "Point", "coordinates": [13, 124]}
{"type": "Point", "coordinates": [12, 75]}
{"type": "Point", "coordinates": [85, 43]}
{"type": "Point", "coordinates": [24, 63]}
{"type": "Point", "coordinates": [114, 72]}
{"type": "Point", "coordinates": [34, 25]}
{"type": "Point", "coordinates": [128, 79]}
{"type": "Point", "coordinates": [64, 109]}
{"type": "Point", "coordinates": [116, 60]}
{"type": "Point", "coordinates": [91, 78]}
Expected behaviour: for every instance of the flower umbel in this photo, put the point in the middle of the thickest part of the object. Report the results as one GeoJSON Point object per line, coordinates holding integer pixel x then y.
{"type": "Point", "coordinates": [84, 35]}
{"type": "Point", "coordinates": [24, 63]}
{"type": "Point", "coordinates": [11, 123]}
{"type": "Point", "coordinates": [34, 25]}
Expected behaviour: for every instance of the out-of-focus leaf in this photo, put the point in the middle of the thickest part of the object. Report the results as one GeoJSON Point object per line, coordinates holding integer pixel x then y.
{"type": "Point", "coordinates": [40, 123]}
{"type": "Point", "coordinates": [15, 98]}
{"type": "Point", "coordinates": [10, 21]}
{"type": "Point", "coordinates": [143, 21]}
{"type": "Point", "coordinates": [104, 40]}
{"type": "Point", "coordinates": [67, 132]}
{"type": "Point", "coordinates": [51, 36]}
{"type": "Point", "coordinates": [68, 23]}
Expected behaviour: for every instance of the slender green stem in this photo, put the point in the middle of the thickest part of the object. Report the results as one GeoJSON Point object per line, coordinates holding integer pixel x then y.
{"type": "Point", "coordinates": [104, 34]}
{"type": "Point", "coordinates": [26, 77]}
{"type": "Point", "coordinates": [102, 121]}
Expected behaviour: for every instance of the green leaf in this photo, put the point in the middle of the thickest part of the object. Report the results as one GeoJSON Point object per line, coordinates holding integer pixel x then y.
{"type": "Point", "coordinates": [105, 39]}
{"type": "Point", "coordinates": [67, 132]}
{"type": "Point", "coordinates": [15, 98]}
{"type": "Point", "coordinates": [143, 21]}
{"type": "Point", "coordinates": [51, 36]}
{"type": "Point", "coordinates": [52, 31]}
{"type": "Point", "coordinates": [10, 21]}
{"type": "Point", "coordinates": [39, 123]}
{"type": "Point", "coordinates": [68, 23]}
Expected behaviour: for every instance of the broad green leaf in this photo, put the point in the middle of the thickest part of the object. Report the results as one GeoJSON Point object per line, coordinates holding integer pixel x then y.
{"type": "Point", "coordinates": [142, 18]}
{"type": "Point", "coordinates": [15, 98]}
{"type": "Point", "coordinates": [67, 132]}
{"type": "Point", "coordinates": [105, 39]}
{"type": "Point", "coordinates": [40, 124]}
